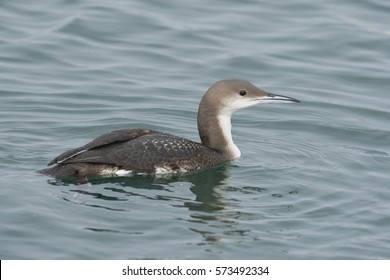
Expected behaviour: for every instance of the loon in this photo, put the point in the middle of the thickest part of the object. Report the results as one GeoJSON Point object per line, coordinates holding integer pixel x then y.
{"type": "Point", "coordinates": [146, 151]}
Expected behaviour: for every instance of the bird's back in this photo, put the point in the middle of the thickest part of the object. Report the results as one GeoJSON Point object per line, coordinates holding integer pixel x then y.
{"type": "Point", "coordinates": [135, 151]}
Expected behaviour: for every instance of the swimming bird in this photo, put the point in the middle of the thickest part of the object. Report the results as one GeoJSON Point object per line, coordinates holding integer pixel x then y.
{"type": "Point", "coordinates": [146, 151]}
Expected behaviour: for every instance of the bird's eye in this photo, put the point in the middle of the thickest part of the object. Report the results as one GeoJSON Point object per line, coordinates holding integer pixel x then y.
{"type": "Point", "coordinates": [242, 92]}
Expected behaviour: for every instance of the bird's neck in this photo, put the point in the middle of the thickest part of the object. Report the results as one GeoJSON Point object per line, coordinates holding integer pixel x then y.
{"type": "Point", "coordinates": [215, 131]}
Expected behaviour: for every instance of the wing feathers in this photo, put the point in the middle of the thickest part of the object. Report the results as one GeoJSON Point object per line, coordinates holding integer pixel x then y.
{"type": "Point", "coordinates": [109, 138]}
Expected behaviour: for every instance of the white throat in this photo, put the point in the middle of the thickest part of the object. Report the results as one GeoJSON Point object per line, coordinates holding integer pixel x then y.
{"type": "Point", "coordinates": [224, 122]}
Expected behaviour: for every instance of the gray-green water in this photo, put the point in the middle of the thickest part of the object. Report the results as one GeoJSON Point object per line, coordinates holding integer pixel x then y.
{"type": "Point", "coordinates": [313, 180]}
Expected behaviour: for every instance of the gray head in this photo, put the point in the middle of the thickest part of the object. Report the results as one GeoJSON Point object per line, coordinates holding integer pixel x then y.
{"type": "Point", "coordinates": [221, 101]}
{"type": "Point", "coordinates": [229, 96]}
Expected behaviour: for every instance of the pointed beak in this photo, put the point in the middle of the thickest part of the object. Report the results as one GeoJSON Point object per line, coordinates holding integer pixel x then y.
{"type": "Point", "coordinates": [273, 98]}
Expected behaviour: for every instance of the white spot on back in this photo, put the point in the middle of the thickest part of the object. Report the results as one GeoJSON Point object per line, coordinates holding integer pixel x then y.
{"type": "Point", "coordinates": [162, 170]}
{"type": "Point", "coordinates": [116, 172]}
{"type": "Point", "coordinates": [122, 172]}
{"type": "Point", "coordinates": [167, 170]}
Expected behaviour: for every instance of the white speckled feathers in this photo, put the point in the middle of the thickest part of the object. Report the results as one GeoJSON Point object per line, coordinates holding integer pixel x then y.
{"type": "Point", "coordinates": [141, 151]}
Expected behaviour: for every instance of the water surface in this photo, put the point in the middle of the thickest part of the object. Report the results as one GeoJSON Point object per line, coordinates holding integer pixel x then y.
{"type": "Point", "coordinates": [313, 179]}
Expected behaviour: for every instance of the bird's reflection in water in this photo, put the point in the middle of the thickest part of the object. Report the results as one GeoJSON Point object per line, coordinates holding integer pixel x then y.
{"type": "Point", "coordinates": [209, 211]}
